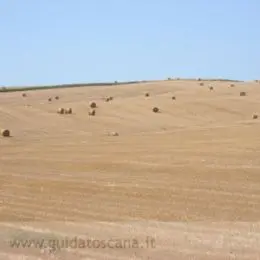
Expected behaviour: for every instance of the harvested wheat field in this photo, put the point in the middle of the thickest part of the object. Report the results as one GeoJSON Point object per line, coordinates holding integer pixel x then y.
{"type": "Point", "coordinates": [187, 179]}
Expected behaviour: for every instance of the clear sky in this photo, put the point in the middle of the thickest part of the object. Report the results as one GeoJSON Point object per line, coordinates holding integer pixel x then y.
{"type": "Point", "coordinates": [74, 41]}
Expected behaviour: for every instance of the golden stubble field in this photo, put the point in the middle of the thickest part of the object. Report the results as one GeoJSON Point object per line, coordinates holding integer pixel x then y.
{"type": "Point", "coordinates": [188, 177]}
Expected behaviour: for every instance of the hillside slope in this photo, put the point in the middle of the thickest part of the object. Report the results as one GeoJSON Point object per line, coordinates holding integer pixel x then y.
{"type": "Point", "coordinates": [190, 172]}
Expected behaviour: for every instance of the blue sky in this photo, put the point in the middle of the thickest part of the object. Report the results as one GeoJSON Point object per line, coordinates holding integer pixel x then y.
{"type": "Point", "coordinates": [73, 41]}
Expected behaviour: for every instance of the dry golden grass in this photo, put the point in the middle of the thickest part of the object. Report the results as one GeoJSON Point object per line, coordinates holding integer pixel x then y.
{"type": "Point", "coordinates": [189, 177]}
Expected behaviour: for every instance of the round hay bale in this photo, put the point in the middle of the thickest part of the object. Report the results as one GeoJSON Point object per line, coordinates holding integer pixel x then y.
{"type": "Point", "coordinates": [255, 116]}
{"type": "Point", "coordinates": [242, 94]}
{"type": "Point", "coordinates": [68, 111]}
{"type": "Point", "coordinates": [24, 95]}
{"type": "Point", "coordinates": [93, 104]}
{"type": "Point", "coordinates": [49, 99]}
{"type": "Point", "coordinates": [232, 85]}
{"type": "Point", "coordinates": [114, 134]}
{"type": "Point", "coordinates": [108, 99]}
{"type": "Point", "coordinates": [57, 97]}
{"type": "Point", "coordinates": [201, 84]}
{"type": "Point", "coordinates": [92, 112]}
{"type": "Point", "coordinates": [61, 110]}
{"type": "Point", "coordinates": [147, 94]}
{"type": "Point", "coordinates": [211, 88]}
{"type": "Point", "coordinates": [173, 98]}
{"type": "Point", "coordinates": [5, 132]}
{"type": "Point", "coordinates": [155, 109]}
